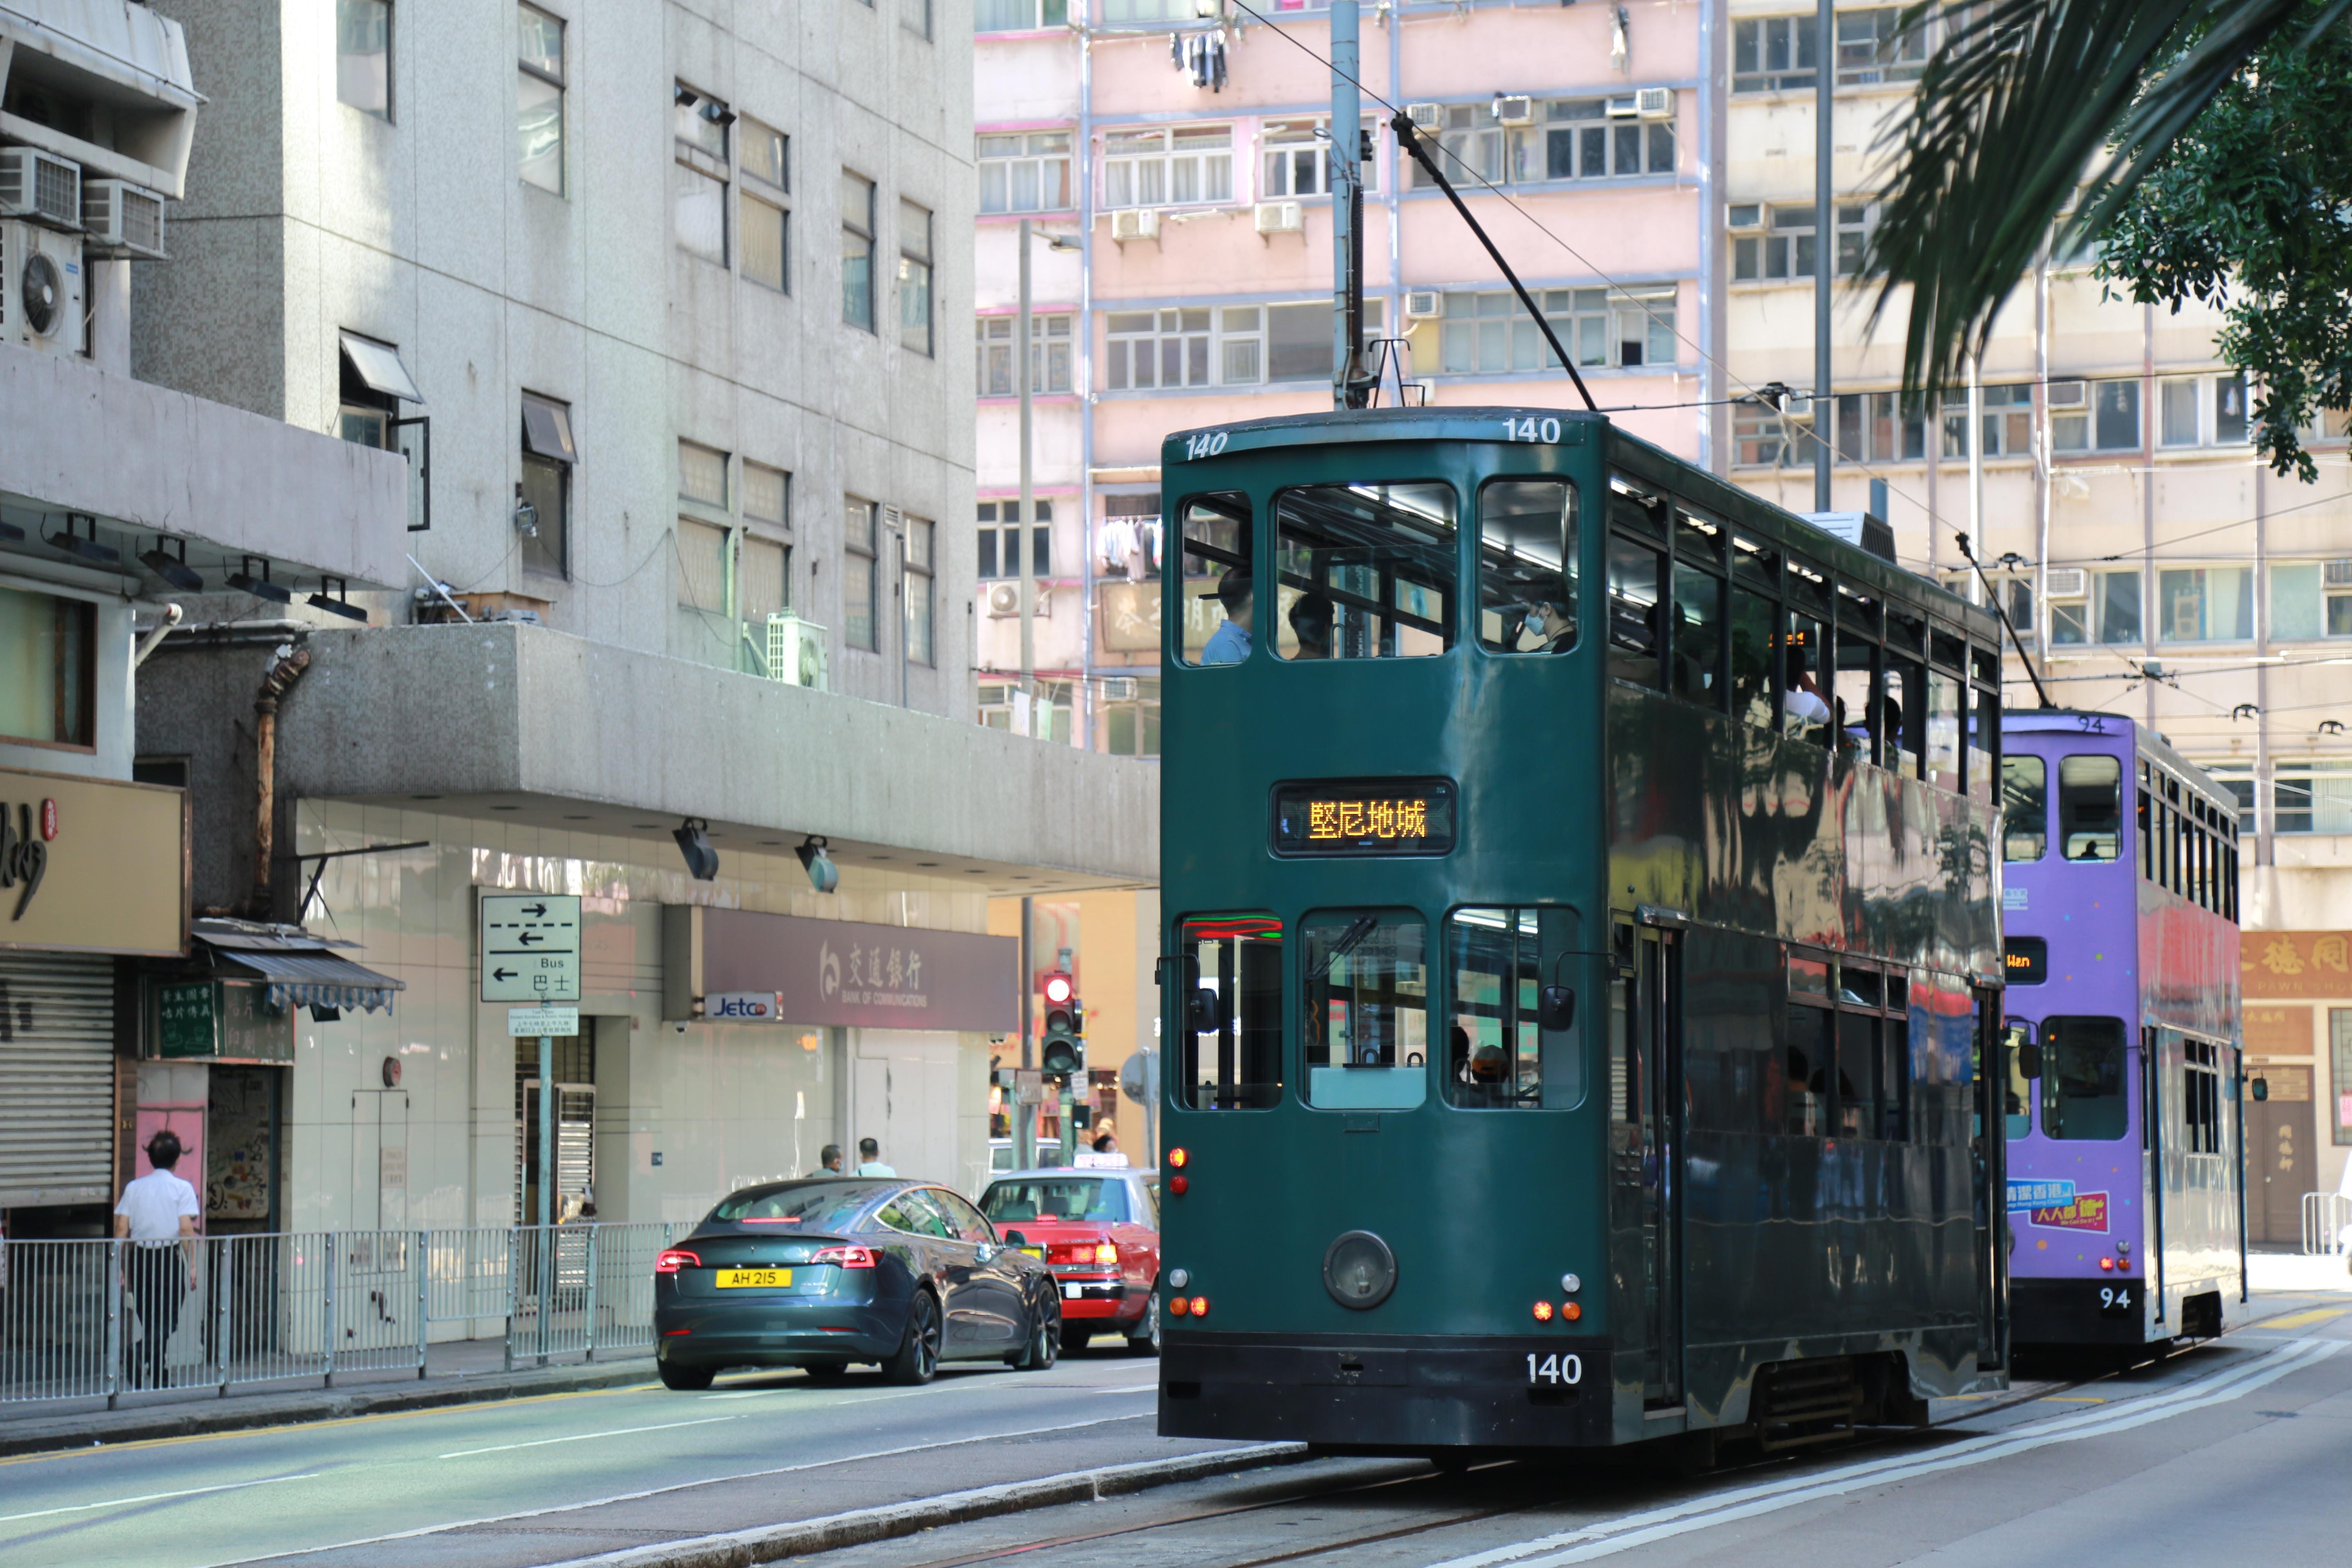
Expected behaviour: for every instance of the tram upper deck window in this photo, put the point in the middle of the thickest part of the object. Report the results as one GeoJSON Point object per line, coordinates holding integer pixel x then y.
{"type": "Point", "coordinates": [1218, 601]}
{"type": "Point", "coordinates": [1498, 1054]}
{"type": "Point", "coordinates": [1943, 758]}
{"type": "Point", "coordinates": [1373, 563]}
{"type": "Point", "coordinates": [1804, 706]}
{"type": "Point", "coordinates": [1983, 727]}
{"type": "Point", "coordinates": [1230, 1023]}
{"type": "Point", "coordinates": [1904, 719]}
{"type": "Point", "coordinates": [1364, 977]}
{"type": "Point", "coordinates": [1634, 568]}
{"type": "Point", "coordinates": [1526, 566]}
{"type": "Point", "coordinates": [2024, 809]}
{"type": "Point", "coordinates": [1755, 655]}
{"type": "Point", "coordinates": [1854, 691]}
{"type": "Point", "coordinates": [2017, 1089]}
{"type": "Point", "coordinates": [2082, 1078]}
{"type": "Point", "coordinates": [2090, 807]}
{"type": "Point", "coordinates": [1695, 653]}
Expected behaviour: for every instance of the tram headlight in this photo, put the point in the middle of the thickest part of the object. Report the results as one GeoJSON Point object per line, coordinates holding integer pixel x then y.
{"type": "Point", "coordinates": [1360, 1271]}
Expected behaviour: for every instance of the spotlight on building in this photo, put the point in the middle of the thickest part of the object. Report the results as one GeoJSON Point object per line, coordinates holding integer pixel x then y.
{"type": "Point", "coordinates": [693, 837]}
{"type": "Point", "coordinates": [172, 569]}
{"type": "Point", "coordinates": [258, 584]}
{"type": "Point", "coordinates": [822, 874]}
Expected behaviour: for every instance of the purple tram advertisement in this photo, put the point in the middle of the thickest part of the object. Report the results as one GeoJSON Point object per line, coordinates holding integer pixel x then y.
{"type": "Point", "coordinates": [2119, 911]}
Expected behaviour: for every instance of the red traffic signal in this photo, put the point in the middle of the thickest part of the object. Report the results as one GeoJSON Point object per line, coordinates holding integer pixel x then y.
{"type": "Point", "coordinates": [1057, 987]}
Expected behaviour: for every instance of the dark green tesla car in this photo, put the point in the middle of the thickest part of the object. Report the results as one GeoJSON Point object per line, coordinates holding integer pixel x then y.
{"type": "Point", "coordinates": [821, 1274]}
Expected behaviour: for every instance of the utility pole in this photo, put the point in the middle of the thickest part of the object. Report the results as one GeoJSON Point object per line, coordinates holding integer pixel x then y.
{"type": "Point", "coordinates": [1824, 247]}
{"type": "Point", "coordinates": [1024, 1114]}
{"type": "Point", "coordinates": [1349, 385]}
{"type": "Point", "coordinates": [1021, 546]}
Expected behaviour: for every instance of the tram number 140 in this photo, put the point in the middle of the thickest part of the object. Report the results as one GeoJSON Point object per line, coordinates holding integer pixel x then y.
{"type": "Point", "coordinates": [1533, 429]}
{"type": "Point", "coordinates": [1554, 1371]}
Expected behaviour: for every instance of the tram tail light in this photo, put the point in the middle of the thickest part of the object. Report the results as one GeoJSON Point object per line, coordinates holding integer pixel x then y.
{"type": "Point", "coordinates": [2108, 1264]}
{"type": "Point", "coordinates": [1200, 1306]}
{"type": "Point", "coordinates": [1543, 1311]}
{"type": "Point", "coordinates": [1179, 1185]}
{"type": "Point", "coordinates": [675, 1259]}
{"type": "Point", "coordinates": [2123, 1263]}
{"type": "Point", "coordinates": [1179, 1306]}
{"type": "Point", "coordinates": [1571, 1311]}
{"type": "Point", "coordinates": [1178, 1159]}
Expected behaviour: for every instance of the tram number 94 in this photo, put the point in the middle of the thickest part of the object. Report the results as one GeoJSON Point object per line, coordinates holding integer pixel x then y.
{"type": "Point", "coordinates": [1554, 1371]}
{"type": "Point", "coordinates": [1533, 429]}
{"type": "Point", "coordinates": [1206, 444]}
{"type": "Point", "coordinates": [2114, 1301]}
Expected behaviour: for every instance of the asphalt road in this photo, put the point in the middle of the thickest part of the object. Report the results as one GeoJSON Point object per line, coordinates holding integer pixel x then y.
{"type": "Point", "coordinates": [2239, 1451]}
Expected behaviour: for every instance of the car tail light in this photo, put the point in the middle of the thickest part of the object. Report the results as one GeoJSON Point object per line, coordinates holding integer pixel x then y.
{"type": "Point", "coordinates": [1106, 1252]}
{"type": "Point", "coordinates": [1543, 1311]}
{"type": "Point", "coordinates": [847, 1257]}
{"type": "Point", "coordinates": [1179, 1306]}
{"type": "Point", "coordinates": [675, 1259]}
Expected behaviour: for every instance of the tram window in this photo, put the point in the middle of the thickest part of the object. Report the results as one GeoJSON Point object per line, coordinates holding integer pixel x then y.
{"type": "Point", "coordinates": [1908, 633]}
{"type": "Point", "coordinates": [1944, 730]}
{"type": "Point", "coordinates": [1808, 588]}
{"type": "Point", "coordinates": [1526, 566]}
{"type": "Point", "coordinates": [1498, 1056]}
{"type": "Point", "coordinates": [1857, 1075]}
{"type": "Point", "coordinates": [1380, 557]}
{"type": "Point", "coordinates": [1218, 603]}
{"type": "Point", "coordinates": [1696, 652]}
{"type": "Point", "coordinates": [2017, 1089]}
{"type": "Point", "coordinates": [2024, 809]}
{"type": "Point", "coordinates": [1894, 1080]}
{"type": "Point", "coordinates": [1983, 724]}
{"type": "Point", "coordinates": [1231, 1023]}
{"type": "Point", "coordinates": [1754, 655]}
{"type": "Point", "coordinates": [1633, 611]}
{"type": "Point", "coordinates": [1904, 714]}
{"type": "Point", "coordinates": [1364, 977]}
{"type": "Point", "coordinates": [1698, 537]}
{"type": "Point", "coordinates": [1853, 696]}
{"type": "Point", "coordinates": [1751, 562]}
{"type": "Point", "coordinates": [1805, 1096]}
{"type": "Point", "coordinates": [1804, 707]}
{"type": "Point", "coordinates": [2090, 807]}
{"type": "Point", "coordinates": [2082, 1078]}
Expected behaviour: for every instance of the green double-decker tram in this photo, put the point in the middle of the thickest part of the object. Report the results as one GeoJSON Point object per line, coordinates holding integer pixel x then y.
{"type": "Point", "coordinates": [1580, 946]}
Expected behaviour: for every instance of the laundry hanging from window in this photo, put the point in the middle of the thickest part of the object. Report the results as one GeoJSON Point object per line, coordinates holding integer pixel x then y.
{"type": "Point", "coordinates": [1200, 55]}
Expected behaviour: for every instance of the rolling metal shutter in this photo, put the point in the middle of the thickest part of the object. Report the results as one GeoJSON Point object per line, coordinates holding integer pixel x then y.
{"type": "Point", "coordinates": [56, 1079]}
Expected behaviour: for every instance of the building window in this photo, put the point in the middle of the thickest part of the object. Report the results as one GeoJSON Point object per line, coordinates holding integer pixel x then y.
{"type": "Point", "coordinates": [1571, 139]}
{"type": "Point", "coordinates": [1780, 54]}
{"type": "Point", "coordinates": [857, 572]}
{"type": "Point", "coordinates": [1051, 339]}
{"type": "Point", "coordinates": [699, 171]}
{"type": "Point", "coordinates": [1781, 241]}
{"type": "Point", "coordinates": [767, 495]}
{"type": "Point", "coordinates": [539, 97]}
{"type": "Point", "coordinates": [363, 55]}
{"type": "Point", "coordinates": [373, 382]}
{"type": "Point", "coordinates": [2008, 422]}
{"type": "Point", "coordinates": [1870, 427]}
{"type": "Point", "coordinates": [1026, 173]}
{"type": "Point", "coordinates": [1019, 15]}
{"type": "Point", "coordinates": [48, 647]}
{"type": "Point", "coordinates": [1231, 345]}
{"type": "Point", "coordinates": [914, 277]}
{"type": "Point", "coordinates": [2313, 797]}
{"type": "Point", "coordinates": [2201, 410]}
{"type": "Point", "coordinates": [702, 567]}
{"type": "Point", "coordinates": [765, 578]}
{"type": "Point", "coordinates": [2204, 603]}
{"type": "Point", "coordinates": [2105, 609]}
{"type": "Point", "coordinates": [917, 589]}
{"type": "Point", "coordinates": [544, 498]}
{"type": "Point", "coordinates": [1000, 549]}
{"type": "Point", "coordinates": [1160, 168]}
{"type": "Point", "coordinates": [1491, 333]}
{"type": "Point", "coordinates": [857, 250]}
{"type": "Point", "coordinates": [1294, 159]}
{"type": "Point", "coordinates": [2310, 599]}
{"type": "Point", "coordinates": [2095, 415]}
{"type": "Point", "coordinates": [1130, 716]}
{"type": "Point", "coordinates": [702, 475]}
{"type": "Point", "coordinates": [764, 160]}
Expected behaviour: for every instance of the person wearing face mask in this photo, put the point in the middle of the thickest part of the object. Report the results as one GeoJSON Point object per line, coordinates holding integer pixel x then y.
{"type": "Point", "coordinates": [1547, 627]}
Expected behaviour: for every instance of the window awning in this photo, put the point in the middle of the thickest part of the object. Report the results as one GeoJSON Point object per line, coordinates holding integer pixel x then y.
{"type": "Point", "coordinates": [378, 364]}
{"type": "Point", "coordinates": [547, 429]}
{"type": "Point", "coordinates": [299, 968]}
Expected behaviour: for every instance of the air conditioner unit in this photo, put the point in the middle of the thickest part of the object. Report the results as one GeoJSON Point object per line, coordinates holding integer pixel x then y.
{"type": "Point", "coordinates": [1654, 103]}
{"type": "Point", "coordinates": [1423, 304]}
{"type": "Point", "coordinates": [40, 186]}
{"type": "Point", "coordinates": [1135, 223]}
{"type": "Point", "coordinates": [1005, 601]}
{"type": "Point", "coordinates": [1623, 108]}
{"type": "Point", "coordinates": [894, 519]}
{"type": "Point", "coordinates": [1516, 109]}
{"type": "Point", "coordinates": [1743, 217]}
{"type": "Point", "coordinates": [1118, 689]}
{"type": "Point", "coordinates": [1280, 218]}
{"type": "Point", "coordinates": [2068, 583]}
{"type": "Point", "coordinates": [2069, 394]}
{"type": "Point", "coordinates": [41, 288]}
{"type": "Point", "coordinates": [122, 219]}
{"type": "Point", "coordinates": [797, 651]}
{"type": "Point", "coordinates": [1426, 116]}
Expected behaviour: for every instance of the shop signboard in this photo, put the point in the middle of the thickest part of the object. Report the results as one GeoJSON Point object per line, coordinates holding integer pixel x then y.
{"type": "Point", "coordinates": [92, 865]}
{"type": "Point", "coordinates": [849, 973]}
{"type": "Point", "coordinates": [215, 1020]}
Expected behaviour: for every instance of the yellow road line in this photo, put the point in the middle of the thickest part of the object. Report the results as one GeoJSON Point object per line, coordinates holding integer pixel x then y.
{"type": "Point", "coordinates": [2305, 1319]}
{"type": "Point", "coordinates": [2073, 1399]}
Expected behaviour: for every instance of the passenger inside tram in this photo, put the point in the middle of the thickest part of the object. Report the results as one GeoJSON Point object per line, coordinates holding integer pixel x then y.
{"type": "Point", "coordinates": [1230, 643]}
{"type": "Point", "coordinates": [1311, 618]}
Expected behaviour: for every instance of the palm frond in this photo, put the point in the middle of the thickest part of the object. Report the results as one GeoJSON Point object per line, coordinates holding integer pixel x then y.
{"type": "Point", "coordinates": [2021, 101]}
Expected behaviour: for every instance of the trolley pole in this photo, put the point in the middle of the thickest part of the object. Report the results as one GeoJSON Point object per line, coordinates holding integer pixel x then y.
{"type": "Point", "coordinates": [1349, 385]}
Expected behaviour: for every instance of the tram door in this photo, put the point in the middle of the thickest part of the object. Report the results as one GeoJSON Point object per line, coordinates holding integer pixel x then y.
{"type": "Point", "coordinates": [1645, 1140]}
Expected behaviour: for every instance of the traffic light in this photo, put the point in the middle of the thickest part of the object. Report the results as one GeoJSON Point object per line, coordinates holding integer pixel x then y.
{"type": "Point", "coordinates": [1063, 1055]}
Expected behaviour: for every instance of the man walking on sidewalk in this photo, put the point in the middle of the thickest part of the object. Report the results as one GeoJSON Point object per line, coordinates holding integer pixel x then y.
{"type": "Point", "coordinates": [157, 1210]}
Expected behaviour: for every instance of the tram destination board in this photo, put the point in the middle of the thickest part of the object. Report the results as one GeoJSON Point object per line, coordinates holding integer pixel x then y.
{"type": "Point", "coordinates": [1364, 816]}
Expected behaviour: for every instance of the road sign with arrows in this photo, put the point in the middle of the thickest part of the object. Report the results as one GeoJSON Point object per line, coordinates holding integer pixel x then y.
{"type": "Point", "coordinates": [530, 948]}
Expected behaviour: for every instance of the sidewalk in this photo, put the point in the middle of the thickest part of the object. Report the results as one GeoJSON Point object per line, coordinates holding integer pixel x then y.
{"type": "Point", "coordinates": [461, 1372]}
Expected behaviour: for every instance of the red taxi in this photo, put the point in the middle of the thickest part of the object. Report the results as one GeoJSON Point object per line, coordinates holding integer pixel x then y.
{"type": "Point", "coordinates": [1098, 1231]}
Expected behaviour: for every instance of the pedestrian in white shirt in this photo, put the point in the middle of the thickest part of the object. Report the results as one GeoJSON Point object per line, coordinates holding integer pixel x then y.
{"type": "Point", "coordinates": [157, 1211]}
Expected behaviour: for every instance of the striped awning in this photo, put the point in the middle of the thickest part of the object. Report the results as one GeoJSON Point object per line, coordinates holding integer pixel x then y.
{"type": "Point", "coordinates": [299, 968]}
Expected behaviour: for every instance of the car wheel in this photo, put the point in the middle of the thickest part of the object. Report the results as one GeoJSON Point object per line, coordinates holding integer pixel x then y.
{"type": "Point", "coordinates": [1146, 1341]}
{"type": "Point", "coordinates": [1045, 1346]}
{"type": "Point", "coordinates": [826, 1369]}
{"type": "Point", "coordinates": [685, 1379]}
{"type": "Point", "coordinates": [916, 1359]}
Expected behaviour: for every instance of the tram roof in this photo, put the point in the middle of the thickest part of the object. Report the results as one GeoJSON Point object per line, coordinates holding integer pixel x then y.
{"type": "Point", "coordinates": [1690, 482]}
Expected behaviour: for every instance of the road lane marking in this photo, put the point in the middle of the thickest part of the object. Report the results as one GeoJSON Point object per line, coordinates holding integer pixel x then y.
{"type": "Point", "coordinates": [2073, 1399]}
{"type": "Point", "coordinates": [2305, 1319]}
{"type": "Point", "coordinates": [684, 1486]}
{"type": "Point", "coordinates": [583, 1436]}
{"type": "Point", "coordinates": [1612, 1536]}
{"type": "Point", "coordinates": [156, 1496]}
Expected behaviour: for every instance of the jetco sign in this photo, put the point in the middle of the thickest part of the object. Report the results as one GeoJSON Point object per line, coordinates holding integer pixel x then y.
{"type": "Point", "coordinates": [838, 971]}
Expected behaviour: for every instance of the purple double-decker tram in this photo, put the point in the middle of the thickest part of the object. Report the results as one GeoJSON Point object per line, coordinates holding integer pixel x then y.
{"type": "Point", "coordinates": [2127, 1172]}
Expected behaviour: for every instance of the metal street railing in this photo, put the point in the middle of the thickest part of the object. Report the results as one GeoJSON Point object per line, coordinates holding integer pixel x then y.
{"type": "Point", "coordinates": [97, 1319]}
{"type": "Point", "coordinates": [2326, 1218]}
